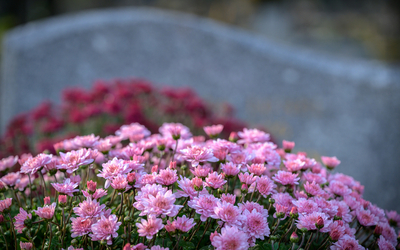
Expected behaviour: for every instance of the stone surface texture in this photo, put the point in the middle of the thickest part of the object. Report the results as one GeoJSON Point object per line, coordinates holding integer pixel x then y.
{"type": "Point", "coordinates": [328, 105]}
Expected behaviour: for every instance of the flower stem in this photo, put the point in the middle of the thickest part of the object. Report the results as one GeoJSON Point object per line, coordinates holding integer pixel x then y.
{"type": "Point", "coordinates": [309, 241]}
{"type": "Point", "coordinates": [13, 232]}
{"type": "Point", "coordinates": [5, 241]}
{"type": "Point", "coordinates": [202, 236]}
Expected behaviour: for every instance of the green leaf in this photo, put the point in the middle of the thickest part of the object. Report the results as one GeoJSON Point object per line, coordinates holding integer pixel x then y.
{"type": "Point", "coordinates": [187, 245]}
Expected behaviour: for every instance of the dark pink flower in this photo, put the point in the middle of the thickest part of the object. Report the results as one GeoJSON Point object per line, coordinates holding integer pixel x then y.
{"type": "Point", "coordinates": [67, 187]}
{"type": "Point", "coordinates": [7, 163]}
{"type": "Point", "coordinates": [46, 212]}
{"type": "Point", "coordinates": [80, 226]}
{"type": "Point", "coordinates": [32, 165]}
{"type": "Point", "coordinates": [197, 154]}
{"type": "Point", "coordinates": [347, 243]}
{"type": "Point", "coordinates": [149, 227]}
{"type": "Point", "coordinates": [105, 229]}
{"type": "Point", "coordinates": [204, 205]}
{"type": "Point", "coordinates": [231, 238]}
{"type": "Point", "coordinates": [20, 219]}
{"type": "Point", "coordinates": [213, 130]}
{"type": "Point", "coordinates": [286, 178]}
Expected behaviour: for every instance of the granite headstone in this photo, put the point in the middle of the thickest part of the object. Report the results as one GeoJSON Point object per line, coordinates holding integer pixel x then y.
{"type": "Point", "coordinates": [328, 105]}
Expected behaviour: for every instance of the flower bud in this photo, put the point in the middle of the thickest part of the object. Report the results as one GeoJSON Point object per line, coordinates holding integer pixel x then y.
{"type": "Point", "coordinates": [293, 213]}
{"type": "Point", "coordinates": [334, 235]}
{"type": "Point", "coordinates": [62, 199]}
{"type": "Point", "coordinates": [47, 200]}
{"type": "Point", "coordinates": [154, 169]}
{"type": "Point", "coordinates": [288, 146]}
{"type": "Point", "coordinates": [131, 178]}
{"type": "Point", "coordinates": [294, 238]}
{"type": "Point", "coordinates": [198, 183]}
{"type": "Point", "coordinates": [172, 165]}
{"type": "Point", "coordinates": [320, 222]}
{"type": "Point", "coordinates": [2, 187]}
{"type": "Point", "coordinates": [378, 231]}
{"type": "Point", "coordinates": [233, 137]}
{"type": "Point", "coordinates": [91, 185]}
{"type": "Point", "coordinates": [1, 218]}
{"type": "Point", "coordinates": [52, 172]}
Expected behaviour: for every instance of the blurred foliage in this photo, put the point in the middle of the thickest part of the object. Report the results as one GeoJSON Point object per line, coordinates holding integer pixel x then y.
{"type": "Point", "coordinates": [372, 25]}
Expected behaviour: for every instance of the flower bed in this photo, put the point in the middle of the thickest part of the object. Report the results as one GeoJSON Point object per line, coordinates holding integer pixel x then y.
{"type": "Point", "coordinates": [172, 190]}
{"type": "Point", "coordinates": [106, 107]}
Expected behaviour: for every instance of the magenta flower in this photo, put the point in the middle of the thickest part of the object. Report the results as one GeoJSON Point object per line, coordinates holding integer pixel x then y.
{"type": "Point", "coordinates": [175, 131]}
{"type": "Point", "coordinates": [252, 135]}
{"type": "Point", "coordinates": [32, 165]}
{"type": "Point", "coordinates": [187, 188]}
{"type": "Point", "coordinates": [214, 130]}
{"type": "Point", "coordinates": [230, 198]}
{"type": "Point", "coordinates": [347, 242]}
{"type": "Point", "coordinates": [330, 162]}
{"type": "Point", "coordinates": [228, 213]}
{"type": "Point", "coordinates": [184, 224]}
{"type": "Point", "coordinates": [393, 217]}
{"type": "Point", "coordinates": [105, 229]}
{"type": "Point", "coordinates": [20, 219]}
{"type": "Point", "coordinates": [309, 221]}
{"type": "Point", "coordinates": [71, 161]}
{"type": "Point", "coordinates": [247, 178]}
{"type": "Point", "coordinates": [204, 205]}
{"type": "Point", "coordinates": [167, 177]}
{"type": "Point", "coordinates": [86, 141]}
{"type": "Point", "coordinates": [67, 187]}
{"type": "Point", "coordinates": [288, 145]}
{"type": "Point", "coordinates": [112, 169]}
{"type": "Point", "coordinates": [201, 171]}
{"type": "Point", "coordinates": [250, 206]}
{"type": "Point", "coordinates": [5, 204]}
{"type": "Point", "coordinates": [159, 248]}
{"type": "Point", "coordinates": [305, 206]}
{"type": "Point", "coordinates": [230, 169]}
{"type": "Point", "coordinates": [149, 227]}
{"type": "Point", "coordinates": [46, 212]}
{"type": "Point", "coordinates": [338, 188]}
{"type": "Point", "coordinates": [8, 162]}
{"type": "Point", "coordinates": [313, 189]}
{"type": "Point", "coordinates": [286, 178]}
{"type": "Point", "coordinates": [294, 166]}
{"type": "Point", "coordinates": [385, 244]}
{"type": "Point", "coordinates": [215, 180]}
{"type": "Point", "coordinates": [257, 169]}
{"type": "Point", "coordinates": [135, 131]}
{"type": "Point", "coordinates": [160, 204]}
{"type": "Point", "coordinates": [120, 183]}
{"type": "Point", "coordinates": [311, 177]}
{"type": "Point", "coordinates": [265, 186]}
{"type": "Point", "coordinates": [231, 238]}
{"type": "Point", "coordinates": [25, 245]}
{"type": "Point", "coordinates": [11, 178]}
{"type": "Point", "coordinates": [89, 209]}
{"type": "Point", "coordinates": [196, 154]}
{"type": "Point", "coordinates": [255, 224]}
{"type": "Point", "coordinates": [81, 226]}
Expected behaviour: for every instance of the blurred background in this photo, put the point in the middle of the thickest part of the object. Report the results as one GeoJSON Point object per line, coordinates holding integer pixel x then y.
{"type": "Point", "coordinates": [322, 73]}
{"type": "Point", "coordinates": [352, 28]}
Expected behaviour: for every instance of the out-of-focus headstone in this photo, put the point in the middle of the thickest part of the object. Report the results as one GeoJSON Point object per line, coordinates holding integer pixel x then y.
{"type": "Point", "coordinates": [327, 105]}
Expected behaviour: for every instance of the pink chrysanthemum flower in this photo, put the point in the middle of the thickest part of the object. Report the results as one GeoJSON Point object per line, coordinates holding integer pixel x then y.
{"type": "Point", "coordinates": [23, 182]}
{"type": "Point", "coordinates": [228, 213]}
{"type": "Point", "coordinates": [81, 226]}
{"type": "Point", "coordinates": [294, 166]}
{"type": "Point", "coordinates": [25, 245]}
{"type": "Point", "coordinates": [394, 218]}
{"type": "Point", "coordinates": [250, 206]}
{"type": "Point", "coordinates": [197, 154]}
{"type": "Point", "coordinates": [145, 192]}
{"type": "Point", "coordinates": [160, 204]}
{"type": "Point", "coordinates": [247, 178]}
{"type": "Point", "coordinates": [338, 188]}
{"type": "Point", "coordinates": [71, 161]}
{"type": "Point", "coordinates": [120, 183]}
{"type": "Point", "coordinates": [159, 248]}
{"type": "Point", "coordinates": [385, 244]}
{"type": "Point", "coordinates": [305, 206]}
{"type": "Point", "coordinates": [330, 162]}
{"type": "Point", "coordinates": [215, 180]}
{"type": "Point", "coordinates": [213, 130]}
{"type": "Point", "coordinates": [366, 218]}
{"type": "Point", "coordinates": [288, 145]}
{"type": "Point", "coordinates": [8, 162]}
{"type": "Point", "coordinates": [230, 198]}
{"type": "Point", "coordinates": [241, 159]}
{"type": "Point", "coordinates": [187, 188]}
{"type": "Point", "coordinates": [265, 186]}
{"type": "Point", "coordinates": [67, 187]}
{"type": "Point", "coordinates": [257, 169]}
{"type": "Point", "coordinates": [112, 169]}
{"type": "Point", "coordinates": [135, 131]}
{"type": "Point", "coordinates": [283, 199]}
{"type": "Point", "coordinates": [313, 189]}
{"type": "Point", "coordinates": [5, 204]}
{"type": "Point", "coordinates": [175, 131]}
{"type": "Point", "coordinates": [230, 169]}
{"type": "Point", "coordinates": [286, 178]}
{"type": "Point", "coordinates": [105, 229]}
{"type": "Point", "coordinates": [255, 224]}
{"type": "Point", "coordinates": [252, 135]}
{"type": "Point", "coordinates": [20, 219]}
{"type": "Point", "coordinates": [184, 224]}
{"type": "Point", "coordinates": [32, 165]}
{"type": "Point", "coordinates": [347, 243]}
{"type": "Point", "coordinates": [204, 205]}
{"type": "Point", "coordinates": [201, 171]}
{"type": "Point", "coordinates": [11, 178]}
{"type": "Point", "coordinates": [167, 177]}
{"type": "Point", "coordinates": [73, 248]}
{"type": "Point", "coordinates": [89, 209]}
{"type": "Point", "coordinates": [46, 212]}
{"type": "Point", "coordinates": [231, 238]}
{"type": "Point", "coordinates": [311, 177]}
{"type": "Point", "coordinates": [343, 210]}
{"type": "Point", "coordinates": [86, 141]}
{"type": "Point", "coordinates": [389, 233]}
{"type": "Point", "coordinates": [149, 227]}
{"type": "Point", "coordinates": [336, 230]}
{"type": "Point", "coordinates": [139, 246]}
{"type": "Point", "coordinates": [309, 221]}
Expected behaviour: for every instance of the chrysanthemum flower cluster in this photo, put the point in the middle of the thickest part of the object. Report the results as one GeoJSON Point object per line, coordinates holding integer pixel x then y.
{"type": "Point", "coordinates": [106, 107]}
{"type": "Point", "coordinates": [173, 190]}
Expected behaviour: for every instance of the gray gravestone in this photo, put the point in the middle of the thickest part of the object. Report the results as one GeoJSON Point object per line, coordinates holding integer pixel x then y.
{"type": "Point", "coordinates": [327, 105]}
